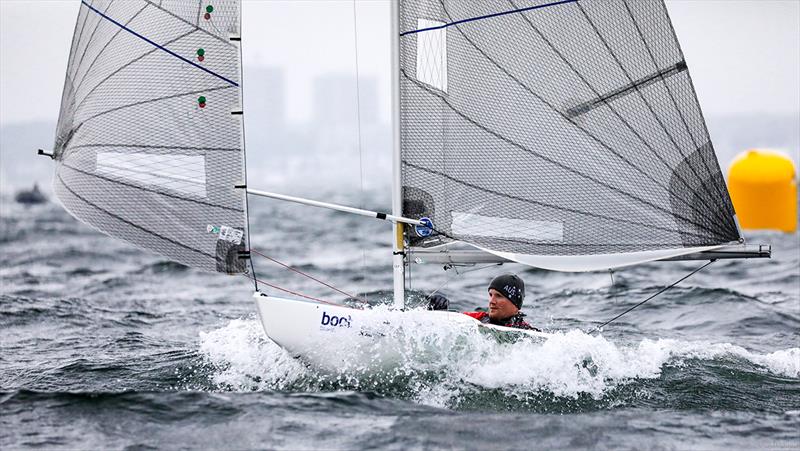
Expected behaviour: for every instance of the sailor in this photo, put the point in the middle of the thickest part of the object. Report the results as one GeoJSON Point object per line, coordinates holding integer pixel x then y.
{"type": "Point", "coordinates": [506, 293]}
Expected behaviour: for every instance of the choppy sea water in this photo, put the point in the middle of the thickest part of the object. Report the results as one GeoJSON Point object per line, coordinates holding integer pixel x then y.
{"type": "Point", "coordinates": [107, 346]}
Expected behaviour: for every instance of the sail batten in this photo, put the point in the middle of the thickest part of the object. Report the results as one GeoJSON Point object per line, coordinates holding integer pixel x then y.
{"type": "Point", "coordinates": [624, 90]}
{"type": "Point", "coordinates": [573, 128]}
{"type": "Point", "coordinates": [147, 149]}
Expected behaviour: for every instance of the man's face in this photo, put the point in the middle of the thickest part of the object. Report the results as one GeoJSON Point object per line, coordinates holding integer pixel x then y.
{"type": "Point", "coordinates": [500, 307]}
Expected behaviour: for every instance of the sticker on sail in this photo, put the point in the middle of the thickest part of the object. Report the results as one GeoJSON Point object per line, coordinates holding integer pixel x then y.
{"type": "Point", "coordinates": [426, 229]}
{"type": "Point", "coordinates": [226, 233]}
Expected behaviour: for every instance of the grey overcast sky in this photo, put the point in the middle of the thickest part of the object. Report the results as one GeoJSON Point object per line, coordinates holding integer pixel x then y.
{"type": "Point", "coordinates": [744, 55]}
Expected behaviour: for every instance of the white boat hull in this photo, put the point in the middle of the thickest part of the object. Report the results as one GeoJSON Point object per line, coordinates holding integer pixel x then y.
{"type": "Point", "coordinates": [340, 339]}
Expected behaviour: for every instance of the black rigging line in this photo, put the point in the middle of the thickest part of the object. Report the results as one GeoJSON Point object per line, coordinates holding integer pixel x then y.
{"type": "Point", "coordinates": [651, 297]}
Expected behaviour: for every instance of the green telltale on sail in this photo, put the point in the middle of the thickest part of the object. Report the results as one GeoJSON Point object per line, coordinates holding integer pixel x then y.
{"type": "Point", "coordinates": [209, 9]}
{"type": "Point", "coordinates": [201, 52]}
{"type": "Point", "coordinates": [201, 99]}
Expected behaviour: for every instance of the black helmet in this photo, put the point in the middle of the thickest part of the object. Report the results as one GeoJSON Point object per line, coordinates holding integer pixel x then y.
{"type": "Point", "coordinates": [511, 287]}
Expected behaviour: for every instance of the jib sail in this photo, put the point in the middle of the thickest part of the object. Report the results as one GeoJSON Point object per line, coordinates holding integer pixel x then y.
{"type": "Point", "coordinates": [147, 147]}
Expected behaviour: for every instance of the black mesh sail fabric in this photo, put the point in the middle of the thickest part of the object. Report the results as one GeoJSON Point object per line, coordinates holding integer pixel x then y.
{"type": "Point", "coordinates": [566, 128]}
{"type": "Point", "coordinates": [147, 148]}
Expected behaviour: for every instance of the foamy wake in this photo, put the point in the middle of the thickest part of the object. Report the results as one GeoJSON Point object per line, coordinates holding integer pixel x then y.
{"type": "Point", "coordinates": [573, 362]}
{"type": "Point", "coordinates": [568, 364]}
{"type": "Point", "coordinates": [243, 358]}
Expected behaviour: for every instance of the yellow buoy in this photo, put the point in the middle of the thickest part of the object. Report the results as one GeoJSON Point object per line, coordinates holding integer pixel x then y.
{"type": "Point", "coordinates": [763, 189]}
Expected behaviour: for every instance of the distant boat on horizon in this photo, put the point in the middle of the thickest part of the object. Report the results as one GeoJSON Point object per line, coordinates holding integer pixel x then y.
{"type": "Point", "coordinates": [31, 197]}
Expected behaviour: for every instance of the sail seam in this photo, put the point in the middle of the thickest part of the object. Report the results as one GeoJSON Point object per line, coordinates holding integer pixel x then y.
{"type": "Point", "coordinates": [199, 13]}
{"type": "Point", "coordinates": [231, 82]}
{"type": "Point", "coordinates": [543, 204]}
{"type": "Point", "coordinates": [648, 105]}
{"type": "Point", "coordinates": [570, 116]}
{"type": "Point", "coordinates": [151, 190]}
{"type": "Point", "coordinates": [561, 165]}
{"type": "Point", "coordinates": [80, 39]}
{"type": "Point", "coordinates": [116, 71]}
{"type": "Point", "coordinates": [91, 36]}
{"type": "Point", "coordinates": [149, 101]}
{"type": "Point", "coordinates": [634, 85]}
{"type": "Point", "coordinates": [132, 224]}
{"type": "Point", "coordinates": [585, 131]}
{"type": "Point", "coordinates": [488, 16]}
{"type": "Point", "coordinates": [170, 13]}
{"type": "Point", "coordinates": [725, 220]}
{"type": "Point", "coordinates": [728, 204]}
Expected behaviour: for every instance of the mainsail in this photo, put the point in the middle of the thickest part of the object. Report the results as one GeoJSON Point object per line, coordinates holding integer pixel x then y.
{"type": "Point", "coordinates": [563, 134]}
{"type": "Point", "coordinates": [149, 146]}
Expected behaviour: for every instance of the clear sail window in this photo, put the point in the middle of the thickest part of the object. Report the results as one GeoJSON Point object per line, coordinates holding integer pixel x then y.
{"type": "Point", "coordinates": [432, 54]}
{"type": "Point", "coordinates": [185, 174]}
{"type": "Point", "coordinates": [494, 227]}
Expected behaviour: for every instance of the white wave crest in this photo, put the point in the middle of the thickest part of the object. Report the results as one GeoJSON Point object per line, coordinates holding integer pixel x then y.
{"type": "Point", "coordinates": [245, 359]}
{"type": "Point", "coordinates": [567, 364]}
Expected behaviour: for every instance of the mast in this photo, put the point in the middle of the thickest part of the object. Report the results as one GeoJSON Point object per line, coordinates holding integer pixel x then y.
{"type": "Point", "coordinates": [398, 248]}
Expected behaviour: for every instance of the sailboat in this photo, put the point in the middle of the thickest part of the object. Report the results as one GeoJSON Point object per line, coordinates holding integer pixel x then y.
{"type": "Point", "coordinates": [563, 135]}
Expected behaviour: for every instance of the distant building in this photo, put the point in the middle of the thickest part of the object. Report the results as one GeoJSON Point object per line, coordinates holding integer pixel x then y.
{"type": "Point", "coordinates": [335, 100]}
{"type": "Point", "coordinates": [264, 103]}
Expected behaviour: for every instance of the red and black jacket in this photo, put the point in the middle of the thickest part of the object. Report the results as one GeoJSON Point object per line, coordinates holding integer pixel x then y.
{"type": "Point", "coordinates": [516, 321]}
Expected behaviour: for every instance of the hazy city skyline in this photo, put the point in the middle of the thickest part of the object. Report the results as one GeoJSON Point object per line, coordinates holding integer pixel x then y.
{"type": "Point", "coordinates": [744, 55]}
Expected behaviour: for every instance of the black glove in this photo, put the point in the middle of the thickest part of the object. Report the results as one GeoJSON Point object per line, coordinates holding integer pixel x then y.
{"type": "Point", "coordinates": [438, 302]}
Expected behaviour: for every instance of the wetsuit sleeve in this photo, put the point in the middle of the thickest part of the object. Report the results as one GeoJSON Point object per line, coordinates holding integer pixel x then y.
{"type": "Point", "coordinates": [438, 302]}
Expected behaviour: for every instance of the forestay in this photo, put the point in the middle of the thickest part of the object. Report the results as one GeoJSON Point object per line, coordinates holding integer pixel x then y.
{"type": "Point", "coordinates": [563, 134]}
{"type": "Point", "coordinates": [148, 149]}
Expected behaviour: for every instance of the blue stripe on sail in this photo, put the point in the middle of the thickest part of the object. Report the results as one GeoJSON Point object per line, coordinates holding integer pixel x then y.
{"type": "Point", "coordinates": [159, 46]}
{"type": "Point", "coordinates": [488, 16]}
